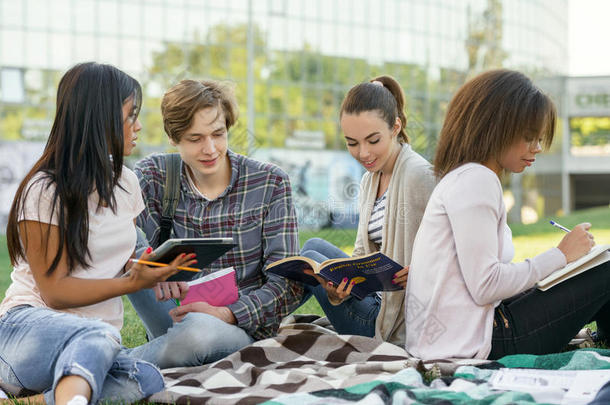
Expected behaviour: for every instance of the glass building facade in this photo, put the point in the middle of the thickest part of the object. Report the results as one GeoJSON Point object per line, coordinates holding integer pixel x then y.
{"type": "Point", "coordinates": [291, 60]}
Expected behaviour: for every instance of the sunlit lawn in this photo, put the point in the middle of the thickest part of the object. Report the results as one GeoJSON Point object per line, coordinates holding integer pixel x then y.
{"type": "Point", "coordinates": [529, 240]}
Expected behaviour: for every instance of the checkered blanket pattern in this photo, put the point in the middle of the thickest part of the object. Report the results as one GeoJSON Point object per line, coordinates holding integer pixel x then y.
{"type": "Point", "coordinates": [306, 357]}
{"type": "Point", "coordinates": [302, 362]}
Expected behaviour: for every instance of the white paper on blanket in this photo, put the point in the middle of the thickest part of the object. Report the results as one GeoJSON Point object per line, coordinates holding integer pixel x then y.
{"type": "Point", "coordinates": [579, 386]}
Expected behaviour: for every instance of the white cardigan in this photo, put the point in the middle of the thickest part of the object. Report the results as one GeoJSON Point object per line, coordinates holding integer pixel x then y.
{"type": "Point", "coordinates": [461, 267]}
{"type": "Point", "coordinates": [410, 187]}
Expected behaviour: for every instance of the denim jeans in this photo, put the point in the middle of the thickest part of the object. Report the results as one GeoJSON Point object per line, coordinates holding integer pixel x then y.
{"type": "Point", "coordinates": [352, 316]}
{"type": "Point", "coordinates": [197, 339]}
{"type": "Point", "coordinates": [39, 346]}
{"type": "Point", "coordinates": [541, 322]}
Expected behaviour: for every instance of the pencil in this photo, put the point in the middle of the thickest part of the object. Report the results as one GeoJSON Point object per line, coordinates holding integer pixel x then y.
{"type": "Point", "coordinates": [146, 262]}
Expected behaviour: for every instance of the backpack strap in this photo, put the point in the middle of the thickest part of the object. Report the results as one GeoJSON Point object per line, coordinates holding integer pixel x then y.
{"type": "Point", "coordinates": [171, 195]}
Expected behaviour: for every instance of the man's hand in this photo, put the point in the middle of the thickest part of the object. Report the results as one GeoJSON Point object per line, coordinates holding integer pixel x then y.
{"type": "Point", "coordinates": [222, 313]}
{"type": "Point", "coordinates": [171, 290]}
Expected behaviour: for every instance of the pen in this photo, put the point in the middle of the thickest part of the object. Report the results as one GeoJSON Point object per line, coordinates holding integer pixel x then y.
{"type": "Point", "coordinates": [556, 225]}
{"type": "Point", "coordinates": [146, 262]}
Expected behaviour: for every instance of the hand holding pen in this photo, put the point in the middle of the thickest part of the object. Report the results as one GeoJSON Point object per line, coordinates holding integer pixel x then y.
{"type": "Point", "coordinates": [578, 241]}
{"type": "Point", "coordinates": [558, 225]}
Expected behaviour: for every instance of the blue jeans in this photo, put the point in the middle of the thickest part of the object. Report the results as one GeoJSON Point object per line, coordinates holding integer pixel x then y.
{"type": "Point", "coordinates": [352, 316]}
{"type": "Point", "coordinates": [39, 346]}
{"type": "Point", "coordinates": [197, 339]}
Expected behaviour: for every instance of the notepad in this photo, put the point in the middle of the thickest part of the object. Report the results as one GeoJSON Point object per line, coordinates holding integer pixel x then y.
{"type": "Point", "coordinates": [218, 288]}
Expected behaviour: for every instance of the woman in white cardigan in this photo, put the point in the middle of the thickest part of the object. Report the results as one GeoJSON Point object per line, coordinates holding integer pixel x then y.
{"type": "Point", "coordinates": [393, 196]}
{"type": "Point", "coordinates": [464, 296]}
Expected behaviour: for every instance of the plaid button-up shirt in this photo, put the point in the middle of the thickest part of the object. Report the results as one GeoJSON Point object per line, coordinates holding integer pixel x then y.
{"type": "Point", "coordinates": [255, 210]}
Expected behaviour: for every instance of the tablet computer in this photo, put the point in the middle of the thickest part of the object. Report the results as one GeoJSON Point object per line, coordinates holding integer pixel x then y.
{"type": "Point", "coordinates": [206, 249]}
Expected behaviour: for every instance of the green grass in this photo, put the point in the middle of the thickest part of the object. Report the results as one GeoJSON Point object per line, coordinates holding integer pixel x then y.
{"type": "Point", "coordinates": [529, 240]}
{"type": "Point", "coordinates": [599, 217]}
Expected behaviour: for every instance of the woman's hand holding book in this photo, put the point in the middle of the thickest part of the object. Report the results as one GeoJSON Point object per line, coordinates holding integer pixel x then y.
{"type": "Point", "coordinates": [400, 277]}
{"type": "Point", "coordinates": [336, 294]}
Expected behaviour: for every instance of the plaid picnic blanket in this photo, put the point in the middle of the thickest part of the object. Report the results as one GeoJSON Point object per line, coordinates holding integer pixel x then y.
{"type": "Point", "coordinates": [305, 357]}
{"type": "Point", "coordinates": [468, 385]}
{"type": "Point", "coordinates": [302, 362]}
{"type": "Point", "coordinates": [310, 364]}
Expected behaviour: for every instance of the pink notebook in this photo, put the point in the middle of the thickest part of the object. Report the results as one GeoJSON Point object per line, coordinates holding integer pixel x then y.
{"type": "Point", "coordinates": [218, 288]}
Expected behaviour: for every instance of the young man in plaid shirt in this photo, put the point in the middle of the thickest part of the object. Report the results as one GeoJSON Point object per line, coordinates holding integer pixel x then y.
{"type": "Point", "coordinates": [222, 194]}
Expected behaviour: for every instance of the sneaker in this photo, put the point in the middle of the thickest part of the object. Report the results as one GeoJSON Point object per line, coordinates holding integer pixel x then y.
{"type": "Point", "coordinates": [583, 339]}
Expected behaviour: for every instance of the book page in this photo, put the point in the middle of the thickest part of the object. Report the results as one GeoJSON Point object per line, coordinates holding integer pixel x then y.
{"type": "Point", "coordinates": [585, 386]}
{"type": "Point", "coordinates": [523, 379]}
{"type": "Point", "coordinates": [577, 386]}
{"type": "Point", "coordinates": [295, 260]}
{"type": "Point", "coordinates": [294, 268]}
{"type": "Point", "coordinates": [345, 259]}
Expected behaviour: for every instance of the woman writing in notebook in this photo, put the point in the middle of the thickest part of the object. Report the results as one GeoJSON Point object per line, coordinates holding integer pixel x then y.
{"type": "Point", "coordinates": [393, 196]}
{"type": "Point", "coordinates": [465, 298]}
{"type": "Point", "coordinates": [70, 234]}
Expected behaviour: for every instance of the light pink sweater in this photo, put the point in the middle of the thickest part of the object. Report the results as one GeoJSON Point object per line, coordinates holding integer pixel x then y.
{"type": "Point", "coordinates": [460, 267]}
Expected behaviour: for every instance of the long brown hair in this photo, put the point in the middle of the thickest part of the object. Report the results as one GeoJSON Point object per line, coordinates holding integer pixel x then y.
{"type": "Point", "coordinates": [488, 115]}
{"type": "Point", "coordinates": [388, 99]}
{"type": "Point", "coordinates": [83, 154]}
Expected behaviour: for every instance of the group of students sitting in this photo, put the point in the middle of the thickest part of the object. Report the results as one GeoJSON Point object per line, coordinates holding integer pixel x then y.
{"type": "Point", "coordinates": [74, 222]}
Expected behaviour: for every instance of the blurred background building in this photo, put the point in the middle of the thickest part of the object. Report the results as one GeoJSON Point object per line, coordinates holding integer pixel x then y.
{"type": "Point", "coordinates": [292, 62]}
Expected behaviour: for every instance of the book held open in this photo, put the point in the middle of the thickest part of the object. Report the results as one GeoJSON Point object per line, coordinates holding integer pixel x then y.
{"type": "Point", "coordinates": [372, 272]}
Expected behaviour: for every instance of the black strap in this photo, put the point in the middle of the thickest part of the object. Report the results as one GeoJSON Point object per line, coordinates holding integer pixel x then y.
{"type": "Point", "coordinates": [171, 195]}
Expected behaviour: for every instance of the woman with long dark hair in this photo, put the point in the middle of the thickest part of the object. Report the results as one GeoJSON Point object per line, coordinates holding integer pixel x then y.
{"type": "Point", "coordinates": [70, 234]}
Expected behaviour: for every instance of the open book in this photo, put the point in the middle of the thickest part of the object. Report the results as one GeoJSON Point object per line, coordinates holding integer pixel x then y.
{"type": "Point", "coordinates": [218, 288]}
{"type": "Point", "coordinates": [372, 272]}
{"type": "Point", "coordinates": [599, 254]}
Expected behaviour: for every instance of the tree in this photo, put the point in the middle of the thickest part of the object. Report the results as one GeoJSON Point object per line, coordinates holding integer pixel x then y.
{"type": "Point", "coordinates": [220, 55]}
{"type": "Point", "coordinates": [484, 42]}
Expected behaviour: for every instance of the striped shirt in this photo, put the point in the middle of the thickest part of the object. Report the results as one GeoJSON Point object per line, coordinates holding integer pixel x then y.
{"type": "Point", "coordinates": [255, 210]}
{"type": "Point", "coordinates": [376, 221]}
